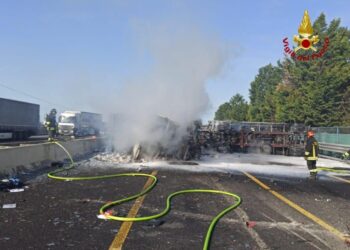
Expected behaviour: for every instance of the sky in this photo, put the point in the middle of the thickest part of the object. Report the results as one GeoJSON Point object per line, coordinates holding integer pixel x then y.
{"type": "Point", "coordinates": [74, 54]}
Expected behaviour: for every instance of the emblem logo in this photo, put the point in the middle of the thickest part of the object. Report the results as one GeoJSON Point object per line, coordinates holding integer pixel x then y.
{"type": "Point", "coordinates": [306, 41]}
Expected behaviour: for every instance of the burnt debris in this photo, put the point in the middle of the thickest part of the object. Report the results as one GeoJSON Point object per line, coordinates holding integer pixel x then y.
{"type": "Point", "coordinates": [221, 136]}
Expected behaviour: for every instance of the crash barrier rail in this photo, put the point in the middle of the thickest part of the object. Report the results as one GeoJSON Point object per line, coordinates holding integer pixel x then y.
{"type": "Point", "coordinates": [333, 151]}
{"type": "Point", "coordinates": [104, 210]}
{"type": "Point", "coordinates": [337, 148]}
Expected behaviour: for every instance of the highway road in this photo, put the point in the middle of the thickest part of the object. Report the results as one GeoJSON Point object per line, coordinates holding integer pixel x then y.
{"type": "Point", "coordinates": [276, 213]}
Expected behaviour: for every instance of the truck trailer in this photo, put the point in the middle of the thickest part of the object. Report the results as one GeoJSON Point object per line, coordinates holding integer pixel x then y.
{"type": "Point", "coordinates": [78, 123]}
{"type": "Point", "coordinates": [258, 137]}
{"type": "Point", "coordinates": [18, 120]}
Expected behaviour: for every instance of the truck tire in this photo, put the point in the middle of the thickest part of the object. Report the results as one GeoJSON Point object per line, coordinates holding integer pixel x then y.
{"type": "Point", "coordinates": [266, 149]}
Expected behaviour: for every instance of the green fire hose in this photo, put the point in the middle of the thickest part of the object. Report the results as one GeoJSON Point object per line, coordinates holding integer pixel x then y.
{"type": "Point", "coordinates": [105, 207]}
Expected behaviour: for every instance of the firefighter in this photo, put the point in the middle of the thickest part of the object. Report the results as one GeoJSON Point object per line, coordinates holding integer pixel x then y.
{"type": "Point", "coordinates": [346, 155]}
{"type": "Point", "coordinates": [311, 153]}
{"type": "Point", "coordinates": [51, 124]}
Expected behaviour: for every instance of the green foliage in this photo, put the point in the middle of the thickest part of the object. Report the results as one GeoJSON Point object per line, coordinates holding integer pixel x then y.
{"type": "Point", "coordinates": [318, 87]}
{"type": "Point", "coordinates": [223, 112]}
{"type": "Point", "coordinates": [315, 92]}
{"type": "Point", "coordinates": [236, 109]}
{"type": "Point", "coordinates": [262, 105]}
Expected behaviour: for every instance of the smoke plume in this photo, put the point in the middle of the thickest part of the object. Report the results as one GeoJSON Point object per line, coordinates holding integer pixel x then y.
{"type": "Point", "coordinates": [182, 60]}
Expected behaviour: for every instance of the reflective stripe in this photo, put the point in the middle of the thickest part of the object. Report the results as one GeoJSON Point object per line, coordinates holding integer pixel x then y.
{"type": "Point", "coordinates": [313, 156]}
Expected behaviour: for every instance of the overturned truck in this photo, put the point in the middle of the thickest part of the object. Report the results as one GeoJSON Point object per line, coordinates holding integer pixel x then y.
{"type": "Point", "coordinates": [162, 138]}
{"type": "Point", "coordinates": [257, 137]}
{"type": "Point", "coordinates": [170, 144]}
{"type": "Point", "coordinates": [154, 137]}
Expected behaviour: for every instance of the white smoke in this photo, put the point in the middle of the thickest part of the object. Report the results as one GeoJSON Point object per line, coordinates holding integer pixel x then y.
{"type": "Point", "coordinates": [183, 60]}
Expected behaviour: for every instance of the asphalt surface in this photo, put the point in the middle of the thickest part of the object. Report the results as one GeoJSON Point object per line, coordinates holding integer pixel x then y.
{"type": "Point", "coordinates": [52, 214]}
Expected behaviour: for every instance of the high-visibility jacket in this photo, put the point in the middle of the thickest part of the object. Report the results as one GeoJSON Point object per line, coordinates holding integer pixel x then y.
{"type": "Point", "coordinates": [346, 155]}
{"type": "Point", "coordinates": [50, 122]}
{"type": "Point", "coordinates": [311, 149]}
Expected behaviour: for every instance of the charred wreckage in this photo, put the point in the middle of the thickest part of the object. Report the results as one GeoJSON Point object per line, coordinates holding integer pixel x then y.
{"type": "Point", "coordinates": [220, 136]}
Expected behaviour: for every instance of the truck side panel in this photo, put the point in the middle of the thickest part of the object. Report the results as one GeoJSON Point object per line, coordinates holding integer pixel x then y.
{"type": "Point", "coordinates": [93, 120]}
{"type": "Point", "coordinates": [18, 116]}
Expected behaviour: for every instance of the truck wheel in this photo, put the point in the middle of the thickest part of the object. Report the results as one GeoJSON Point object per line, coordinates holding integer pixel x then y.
{"type": "Point", "coordinates": [266, 149]}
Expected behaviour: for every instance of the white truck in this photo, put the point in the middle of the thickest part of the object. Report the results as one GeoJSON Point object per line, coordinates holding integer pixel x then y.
{"type": "Point", "coordinates": [78, 123]}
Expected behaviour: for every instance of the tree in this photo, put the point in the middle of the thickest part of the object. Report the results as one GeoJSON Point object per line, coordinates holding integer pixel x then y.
{"type": "Point", "coordinates": [314, 92]}
{"type": "Point", "coordinates": [223, 112]}
{"type": "Point", "coordinates": [236, 109]}
{"type": "Point", "coordinates": [239, 108]}
{"type": "Point", "coordinates": [318, 87]}
{"type": "Point", "coordinates": [262, 106]}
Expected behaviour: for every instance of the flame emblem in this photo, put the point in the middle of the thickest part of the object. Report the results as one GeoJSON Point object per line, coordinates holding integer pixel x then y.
{"type": "Point", "coordinates": [305, 39]}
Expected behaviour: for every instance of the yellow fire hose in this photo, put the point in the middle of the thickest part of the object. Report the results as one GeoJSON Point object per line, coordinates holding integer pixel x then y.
{"type": "Point", "coordinates": [105, 207]}
{"type": "Point", "coordinates": [335, 170]}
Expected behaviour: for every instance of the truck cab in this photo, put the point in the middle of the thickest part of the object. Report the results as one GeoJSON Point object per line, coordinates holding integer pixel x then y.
{"type": "Point", "coordinates": [77, 123]}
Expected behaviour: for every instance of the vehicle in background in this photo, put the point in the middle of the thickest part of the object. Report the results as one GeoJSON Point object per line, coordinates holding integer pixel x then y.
{"type": "Point", "coordinates": [18, 120]}
{"type": "Point", "coordinates": [78, 123]}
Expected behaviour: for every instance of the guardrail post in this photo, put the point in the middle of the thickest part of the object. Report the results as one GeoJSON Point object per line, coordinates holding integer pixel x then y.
{"type": "Point", "coordinates": [338, 135]}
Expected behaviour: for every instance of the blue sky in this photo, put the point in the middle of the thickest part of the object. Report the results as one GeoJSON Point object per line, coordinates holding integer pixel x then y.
{"type": "Point", "coordinates": [55, 50]}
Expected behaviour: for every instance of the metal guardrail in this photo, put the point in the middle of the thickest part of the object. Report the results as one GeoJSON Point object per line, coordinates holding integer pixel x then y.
{"type": "Point", "coordinates": [334, 147]}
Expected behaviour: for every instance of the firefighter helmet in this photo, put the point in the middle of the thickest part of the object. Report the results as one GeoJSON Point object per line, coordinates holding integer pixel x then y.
{"type": "Point", "coordinates": [310, 133]}
{"type": "Point", "coordinates": [53, 111]}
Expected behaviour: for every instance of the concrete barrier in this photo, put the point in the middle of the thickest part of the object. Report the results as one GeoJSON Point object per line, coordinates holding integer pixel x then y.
{"type": "Point", "coordinates": [30, 156]}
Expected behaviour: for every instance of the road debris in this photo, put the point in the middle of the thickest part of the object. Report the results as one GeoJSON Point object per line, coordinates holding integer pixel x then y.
{"type": "Point", "coordinates": [16, 190]}
{"type": "Point", "coordinates": [221, 136]}
{"type": "Point", "coordinates": [15, 182]}
{"type": "Point", "coordinates": [101, 216]}
{"type": "Point", "coordinates": [155, 223]}
{"type": "Point", "coordinates": [13, 205]}
{"type": "Point", "coordinates": [250, 224]}
{"type": "Point", "coordinates": [11, 183]}
{"type": "Point", "coordinates": [170, 142]}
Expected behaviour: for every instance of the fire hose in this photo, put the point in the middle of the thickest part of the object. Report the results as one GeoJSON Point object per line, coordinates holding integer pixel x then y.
{"type": "Point", "coordinates": [103, 210]}
{"type": "Point", "coordinates": [335, 170]}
